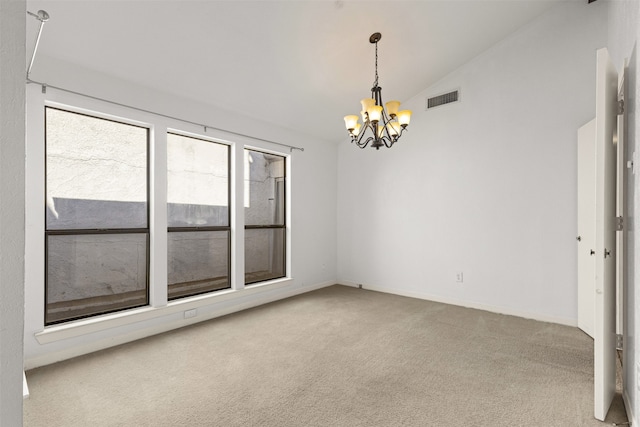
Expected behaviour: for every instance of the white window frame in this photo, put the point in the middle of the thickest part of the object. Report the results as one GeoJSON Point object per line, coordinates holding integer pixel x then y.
{"type": "Point", "coordinates": [208, 305]}
{"type": "Point", "coordinates": [287, 209]}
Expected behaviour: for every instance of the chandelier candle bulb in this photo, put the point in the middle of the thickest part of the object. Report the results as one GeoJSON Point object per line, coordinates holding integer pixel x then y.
{"type": "Point", "coordinates": [367, 103]}
{"type": "Point", "coordinates": [404, 117]}
{"type": "Point", "coordinates": [375, 113]}
{"type": "Point", "coordinates": [350, 122]}
{"type": "Point", "coordinates": [392, 108]}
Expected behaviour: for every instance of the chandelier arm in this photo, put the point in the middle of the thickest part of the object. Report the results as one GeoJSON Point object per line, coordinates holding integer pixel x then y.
{"type": "Point", "coordinates": [385, 121]}
{"type": "Point", "coordinates": [402, 129]}
{"type": "Point", "coordinates": [388, 142]}
{"type": "Point", "coordinates": [386, 132]}
{"type": "Point", "coordinates": [376, 93]}
{"type": "Point", "coordinates": [365, 143]}
{"type": "Point", "coordinates": [363, 130]}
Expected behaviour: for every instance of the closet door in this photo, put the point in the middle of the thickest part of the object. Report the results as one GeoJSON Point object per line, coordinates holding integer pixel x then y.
{"type": "Point", "coordinates": [586, 239]}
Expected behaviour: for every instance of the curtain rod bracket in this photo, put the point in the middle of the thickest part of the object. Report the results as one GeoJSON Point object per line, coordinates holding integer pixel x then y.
{"type": "Point", "coordinates": [43, 17]}
{"type": "Point", "coordinates": [42, 85]}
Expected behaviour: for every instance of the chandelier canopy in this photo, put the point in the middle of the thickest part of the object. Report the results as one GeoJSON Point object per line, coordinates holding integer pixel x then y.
{"type": "Point", "coordinates": [386, 125]}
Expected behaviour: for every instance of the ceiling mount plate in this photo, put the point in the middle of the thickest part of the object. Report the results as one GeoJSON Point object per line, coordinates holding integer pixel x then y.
{"type": "Point", "coordinates": [375, 38]}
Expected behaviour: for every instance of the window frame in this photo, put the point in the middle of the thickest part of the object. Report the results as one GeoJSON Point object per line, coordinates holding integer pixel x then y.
{"type": "Point", "coordinates": [283, 226]}
{"type": "Point", "coordinates": [226, 228]}
{"type": "Point", "coordinates": [97, 231]}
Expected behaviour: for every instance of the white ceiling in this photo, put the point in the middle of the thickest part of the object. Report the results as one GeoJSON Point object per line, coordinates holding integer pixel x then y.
{"type": "Point", "coordinates": [300, 64]}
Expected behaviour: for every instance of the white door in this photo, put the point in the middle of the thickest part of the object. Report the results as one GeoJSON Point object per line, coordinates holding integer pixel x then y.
{"type": "Point", "coordinates": [621, 198]}
{"type": "Point", "coordinates": [605, 297]}
{"type": "Point", "coordinates": [586, 239]}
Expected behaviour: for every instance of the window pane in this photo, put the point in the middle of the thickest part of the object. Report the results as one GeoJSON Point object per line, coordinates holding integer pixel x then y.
{"type": "Point", "coordinates": [197, 182]}
{"type": "Point", "coordinates": [264, 188]}
{"type": "Point", "coordinates": [91, 274]}
{"type": "Point", "coordinates": [198, 262]}
{"type": "Point", "coordinates": [96, 172]}
{"type": "Point", "coordinates": [264, 254]}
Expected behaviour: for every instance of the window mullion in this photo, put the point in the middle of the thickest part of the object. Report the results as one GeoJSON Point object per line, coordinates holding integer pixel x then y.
{"type": "Point", "coordinates": [237, 217]}
{"type": "Point", "coordinates": [158, 217]}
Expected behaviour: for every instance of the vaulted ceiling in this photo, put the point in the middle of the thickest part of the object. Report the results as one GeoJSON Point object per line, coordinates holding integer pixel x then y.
{"type": "Point", "coordinates": [300, 64]}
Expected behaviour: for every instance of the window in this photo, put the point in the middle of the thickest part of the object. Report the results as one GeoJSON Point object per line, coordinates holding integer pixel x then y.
{"type": "Point", "coordinates": [265, 228]}
{"type": "Point", "coordinates": [199, 237]}
{"type": "Point", "coordinates": [103, 250]}
{"type": "Point", "coordinates": [96, 226]}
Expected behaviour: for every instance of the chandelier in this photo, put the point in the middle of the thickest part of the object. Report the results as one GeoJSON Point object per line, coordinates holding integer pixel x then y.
{"type": "Point", "coordinates": [386, 125]}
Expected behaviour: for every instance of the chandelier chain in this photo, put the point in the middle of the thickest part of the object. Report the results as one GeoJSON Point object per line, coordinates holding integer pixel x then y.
{"type": "Point", "coordinates": [375, 82]}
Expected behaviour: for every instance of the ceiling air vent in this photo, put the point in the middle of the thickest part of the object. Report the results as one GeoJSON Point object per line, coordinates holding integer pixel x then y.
{"type": "Point", "coordinates": [445, 98]}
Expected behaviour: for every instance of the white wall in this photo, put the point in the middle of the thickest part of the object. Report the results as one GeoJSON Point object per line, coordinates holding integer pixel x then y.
{"type": "Point", "coordinates": [486, 186]}
{"type": "Point", "coordinates": [12, 149]}
{"type": "Point", "coordinates": [624, 32]}
{"type": "Point", "coordinates": [312, 223]}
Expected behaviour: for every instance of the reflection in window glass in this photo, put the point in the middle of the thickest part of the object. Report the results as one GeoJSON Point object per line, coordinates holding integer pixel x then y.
{"type": "Point", "coordinates": [198, 262]}
{"type": "Point", "coordinates": [264, 254]}
{"type": "Point", "coordinates": [197, 183]}
{"type": "Point", "coordinates": [96, 216]}
{"type": "Point", "coordinates": [90, 274]}
{"type": "Point", "coordinates": [264, 188]}
{"type": "Point", "coordinates": [96, 172]}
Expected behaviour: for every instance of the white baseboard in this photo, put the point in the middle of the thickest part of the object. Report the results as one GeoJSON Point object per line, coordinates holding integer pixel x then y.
{"type": "Point", "coordinates": [90, 347]}
{"type": "Point", "coordinates": [464, 303]}
{"type": "Point", "coordinates": [628, 408]}
{"type": "Point", "coordinates": [25, 386]}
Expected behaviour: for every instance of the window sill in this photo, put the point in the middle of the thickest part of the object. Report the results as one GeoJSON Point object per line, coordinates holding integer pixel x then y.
{"type": "Point", "coordinates": [95, 324]}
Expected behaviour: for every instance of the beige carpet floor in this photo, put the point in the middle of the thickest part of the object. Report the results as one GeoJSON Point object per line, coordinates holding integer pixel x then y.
{"type": "Point", "coordinates": [338, 356]}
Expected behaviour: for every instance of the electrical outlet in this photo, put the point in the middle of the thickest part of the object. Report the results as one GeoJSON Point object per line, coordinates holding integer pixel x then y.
{"type": "Point", "coordinates": [188, 314]}
{"type": "Point", "coordinates": [459, 277]}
